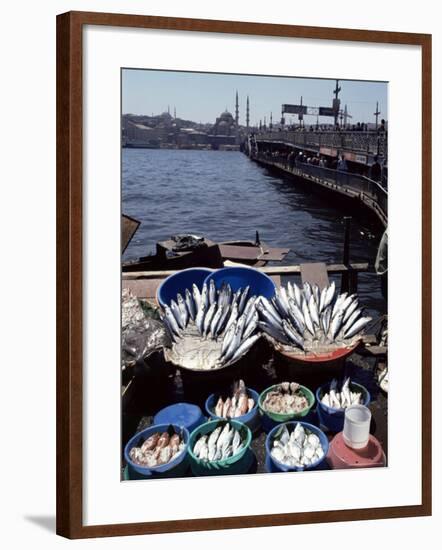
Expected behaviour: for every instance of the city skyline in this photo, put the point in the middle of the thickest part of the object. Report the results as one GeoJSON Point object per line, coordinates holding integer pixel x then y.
{"type": "Point", "coordinates": [201, 97]}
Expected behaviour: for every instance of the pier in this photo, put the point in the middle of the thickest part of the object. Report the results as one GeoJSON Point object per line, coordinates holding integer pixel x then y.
{"type": "Point", "coordinates": [282, 150]}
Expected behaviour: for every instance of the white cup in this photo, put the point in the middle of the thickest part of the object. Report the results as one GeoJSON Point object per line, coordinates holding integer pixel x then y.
{"type": "Point", "coordinates": [357, 426]}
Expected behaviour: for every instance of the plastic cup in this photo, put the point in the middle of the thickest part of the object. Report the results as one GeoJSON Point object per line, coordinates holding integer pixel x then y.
{"type": "Point", "coordinates": [357, 426]}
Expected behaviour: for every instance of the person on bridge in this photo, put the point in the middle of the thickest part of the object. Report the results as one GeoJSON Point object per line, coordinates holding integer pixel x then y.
{"type": "Point", "coordinates": [376, 170]}
{"type": "Point", "coordinates": [342, 164]}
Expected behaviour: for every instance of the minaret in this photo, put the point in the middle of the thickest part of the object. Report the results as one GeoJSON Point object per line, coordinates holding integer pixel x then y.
{"type": "Point", "coordinates": [237, 110]}
{"type": "Point", "coordinates": [174, 112]}
{"type": "Point", "coordinates": [247, 114]}
{"type": "Point", "coordinates": [271, 121]}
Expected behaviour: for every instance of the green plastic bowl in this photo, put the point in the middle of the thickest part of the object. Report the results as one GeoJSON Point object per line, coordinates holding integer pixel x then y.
{"type": "Point", "coordinates": [231, 465]}
{"type": "Point", "coordinates": [279, 417]}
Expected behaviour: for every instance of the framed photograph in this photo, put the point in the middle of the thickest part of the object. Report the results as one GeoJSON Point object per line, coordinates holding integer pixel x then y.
{"type": "Point", "coordinates": [243, 274]}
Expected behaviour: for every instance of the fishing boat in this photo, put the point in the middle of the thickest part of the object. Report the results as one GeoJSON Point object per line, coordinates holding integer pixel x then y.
{"type": "Point", "coordinates": [184, 251]}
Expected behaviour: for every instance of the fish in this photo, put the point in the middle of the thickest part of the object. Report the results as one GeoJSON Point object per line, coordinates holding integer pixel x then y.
{"type": "Point", "coordinates": [184, 313]}
{"type": "Point", "coordinates": [343, 398]}
{"type": "Point", "coordinates": [245, 346]}
{"type": "Point", "coordinates": [196, 297]}
{"type": "Point", "coordinates": [228, 335]}
{"type": "Point", "coordinates": [307, 290]}
{"type": "Point", "coordinates": [292, 334]}
{"type": "Point", "coordinates": [236, 442]}
{"type": "Point", "coordinates": [176, 313]}
{"type": "Point", "coordinates": [233, 316]}
{"type": "Point", "coordinates": [208, 318]}
{"type": "Point", "coordinates": [298, 449]}
{"type": "Point", "coordinates": [313, 310]}
{"type": "Point", "coordinates": [270, 309]}
{"type": "Point", "coordinates": [251, 326]}
{"type": "Point", "coordinates": [359, 325]}
{"type": "Point", "coordinates": [215, 320]}
{"type": "Point", "coordinates": [199, 445]}
{"type": "Point", "coordinates": [307, 318]}
{"type": "Point", "coordinates": [205, 296]}
{"type": "Point", "coordinates": [219, 407]}
{"type": "Point", "coordinates": [212, 292]}
{"type": "Point", "coordinates": [190, 304]}
{"type": "Point", "coordinates": [274, 332]}
{"type": "Point", "coordinates": [172, 320]}
{"type": "Point", "coordinates": [199, 321]}
{"type": "Point", "coordinates": [336, 324]}
{"type": "Point", "coordinates": [157, 449]}
{"type": "Point", "coordinates": [243, 299]}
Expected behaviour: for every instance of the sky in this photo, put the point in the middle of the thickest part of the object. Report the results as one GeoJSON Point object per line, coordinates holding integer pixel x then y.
{"type": "Point", "coordinates": [201, 97]}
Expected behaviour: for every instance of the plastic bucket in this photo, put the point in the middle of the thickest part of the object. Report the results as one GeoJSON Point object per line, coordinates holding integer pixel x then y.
{"type": "Point", "coordinates": [270, 420]}
{"type": "Point", "coordinates": [237, 464]}
{"type": "Point", "coordinates": [331, 418]}
{"type": "Point", "coordinates": [276, 466]}
{"type": "Point", "coordinates": [175, 468]}
{"type": "Point", "coordinates": [241, 277]}
{"type": "Point", "coordinates": [186, 415]}
{"type": "Point", "coordinates": [178, 282]}
{"type": "Point", "coordinates": [251, 419]}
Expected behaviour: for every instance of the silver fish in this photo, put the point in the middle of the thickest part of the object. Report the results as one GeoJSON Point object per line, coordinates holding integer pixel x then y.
{"type": "Point", "coordinates": [339, 300]}
{"type": "Point", "coordinates": [205, 296]}
{"type": "Point", "coordinates": [190, 304]}
{"type": "Point", "coordinates": [351, 308]}
{"type": "Point", "coordinates": [313, 310]}
{"type": "Point", "coordinates": [245, 346]}
{"type": "Point", "coordinates": [351, 320]}
{"type": "Point", "coordinates": [297, 316]}
{"type": "Point", "coordinates": [307, 290]}
{"type": "Point", "coordinates": [336, 324]}
{"type": "Point", "coordinates": [243, 300]}
{"type": "Point", "coordinates": [215, 321]}
{"type": "Point", "coordinates": [292, 334]}
{"type": "Point", "coordinates": [177, 313]}
{"type": "Point", "coordinates": [172, 320]}
{"type": "Point", "coordinates": [233, 316]}
{"type": "Point", "coordinates": [199, 444]}
{"type": "Point", "coordinates": [316, 293]}
{"type": "Point", "coordinates": [208, 318]}
{"type": "Point", "coordinates": [228, 335]}
{"type": "Point", "coordinates": [233, 346]}
{"type": "Point", "coordinates": [183, 310]}
{"type": "Point", "coordinates": [212, 292]}
{"type": "Point", "coordinates": [196, 297]}
{"type": "Point", "coordinates": [274, 332]}
{"type": "Point", "coordinates": [236, 442]}
{"type": "Point", "coordinates": [307, 319]}
{"type": "Point", "coordinates": [298, 295]}
{"type": "Point", "coordinates": [357, 327]}
{"type": "Point", "coordinates": [330, 294]}
{"type": "Point", "coordinates": [250, 309]}
{"type": "Point", "coordinates": [199, 321]}
{"type": "Point", "coordinates": [251, 326]}
{"type": "Point", "coordinates": [224, 316]}
{"type": "Point", "coordinates": [268, 318]}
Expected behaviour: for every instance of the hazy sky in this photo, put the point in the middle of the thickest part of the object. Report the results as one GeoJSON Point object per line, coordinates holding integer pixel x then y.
{"type": "Point", "coordinates": [201, 97]}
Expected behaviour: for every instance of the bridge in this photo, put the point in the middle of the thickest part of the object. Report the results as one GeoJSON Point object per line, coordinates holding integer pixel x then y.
{"type": "Point", "coordinates": [360, 146]}
{"type": "Point", "coordinates": [367, 193]}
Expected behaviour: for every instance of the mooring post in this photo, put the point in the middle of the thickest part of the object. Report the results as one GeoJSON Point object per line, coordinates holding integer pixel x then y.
{"type": "Point", "coordinates": [345, 280]}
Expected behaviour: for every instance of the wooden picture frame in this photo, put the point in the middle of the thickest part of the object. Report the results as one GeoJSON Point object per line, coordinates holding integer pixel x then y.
{"type": "Point", "coordinates": [70, 272]}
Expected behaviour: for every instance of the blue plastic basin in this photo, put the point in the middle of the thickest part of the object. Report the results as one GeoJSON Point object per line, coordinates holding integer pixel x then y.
{"type": "Point", "coordinates": [240, 277]}
{"type": "Point", "coordinates": [178, 282]}
{"type": "Point", "coordinates": [251, 419]}
{"type": "Point", "coordinates": [187, 415]}
{"type": "Point", "coordinates": [333, 419]}
{"type": "Point", "coordinates": [276, 466]}
{"type": "Point", "coordinates": [175, 468]}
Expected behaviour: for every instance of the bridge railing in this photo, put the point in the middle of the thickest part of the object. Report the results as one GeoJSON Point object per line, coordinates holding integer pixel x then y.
{"type": "Point", "coordinates": [355, 182]}
{"type": "Point", "coordinates": [369, 142]}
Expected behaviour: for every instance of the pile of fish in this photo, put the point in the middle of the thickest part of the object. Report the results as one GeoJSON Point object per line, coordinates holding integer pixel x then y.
{"type": "Point", "coordinates": [158, 449]}
{"type": "Point", "coordinates": [285, 398]}
{"type": "Point", "coordinates": [236, 405]}
{"type": "Point", "coordinates": [296, 449]}
{"type": "Point", "coordinates": [211, 328]}
{"type": "Point", "coordinates": [341, 399]}
{"type": "Point", "coordinates": [225, 441]}
{"type": "Point", "coordinates": [308, 319]}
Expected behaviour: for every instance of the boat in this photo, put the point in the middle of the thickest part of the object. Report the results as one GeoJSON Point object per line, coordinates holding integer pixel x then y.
{"type": "Point", "coordinates": [184, 251]}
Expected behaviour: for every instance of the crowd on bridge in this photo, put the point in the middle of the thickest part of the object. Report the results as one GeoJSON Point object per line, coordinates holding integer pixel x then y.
{"type": "Point", "coordinates": [292, 159]}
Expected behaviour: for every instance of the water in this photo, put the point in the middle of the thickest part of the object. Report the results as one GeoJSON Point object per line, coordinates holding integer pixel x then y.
{"type": "Point", "coordinates": [225, 196]}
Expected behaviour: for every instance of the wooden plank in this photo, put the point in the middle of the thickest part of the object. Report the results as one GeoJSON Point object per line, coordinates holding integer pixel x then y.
{"type": "Point", "coordinates": [315, 274]}
{"type": "Point", "coordinates": [143, 288]}
{"type": "Point", "coordinates": [128, 228]}
{"type": "Point", "coordinates": [334, 269]}
{"type": "Point", "coordinates": [238, 253]}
